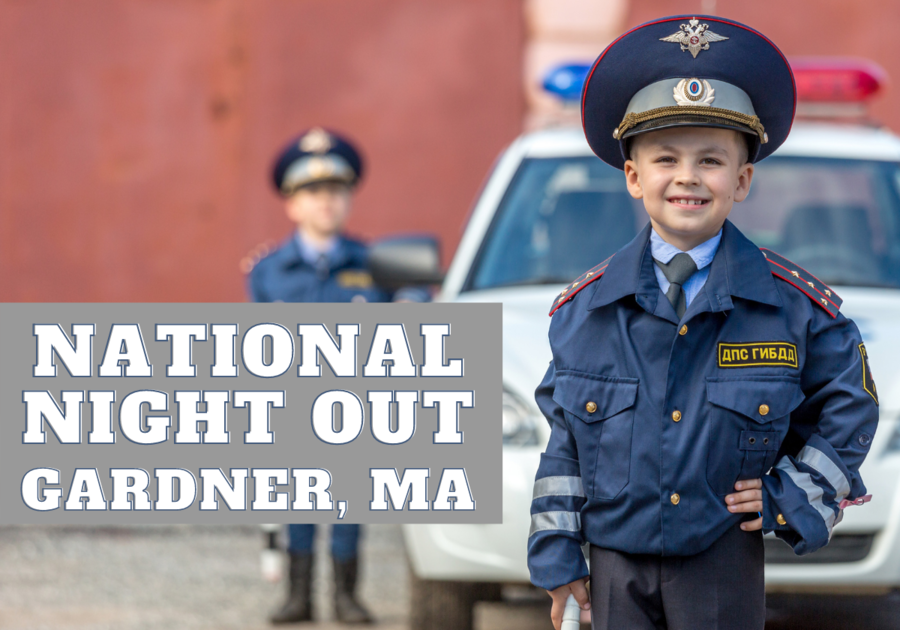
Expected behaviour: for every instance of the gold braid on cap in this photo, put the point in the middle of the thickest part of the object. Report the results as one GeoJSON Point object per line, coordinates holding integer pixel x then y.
{"type": "Point", "coordinates": [633, 119]}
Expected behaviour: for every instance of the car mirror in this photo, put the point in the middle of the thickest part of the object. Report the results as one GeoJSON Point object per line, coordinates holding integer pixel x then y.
{"type": "Point", "coordinates": [403, 261]}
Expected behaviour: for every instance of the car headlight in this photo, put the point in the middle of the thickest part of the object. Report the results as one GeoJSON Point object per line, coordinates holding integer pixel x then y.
{"type": "Point", "coordinates": [520, 422]}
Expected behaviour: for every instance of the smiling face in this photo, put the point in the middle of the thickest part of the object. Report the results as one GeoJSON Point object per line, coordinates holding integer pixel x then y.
{"type": "Point", "coordinates": [320, 209]}
{"type": "Point", "coordinates": [689, 178]}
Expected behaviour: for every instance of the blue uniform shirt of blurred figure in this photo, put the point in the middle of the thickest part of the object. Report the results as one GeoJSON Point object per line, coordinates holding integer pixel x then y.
{"type": "Point", "coordinates": [296, 272]}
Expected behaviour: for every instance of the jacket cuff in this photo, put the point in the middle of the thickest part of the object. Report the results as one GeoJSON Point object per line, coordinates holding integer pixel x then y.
{"type": "Point", "coordinates": [555, 561]}
{"type": "Point", "coordinates": [804, 528]}
{"type": "Point", "coordinates": [773, 519]}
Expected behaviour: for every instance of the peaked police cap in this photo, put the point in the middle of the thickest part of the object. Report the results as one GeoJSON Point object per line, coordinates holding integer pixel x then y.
{"type": "Point", "coordinates": [688, 70]}
{"type": "Point", "coordinates": [316, 155]}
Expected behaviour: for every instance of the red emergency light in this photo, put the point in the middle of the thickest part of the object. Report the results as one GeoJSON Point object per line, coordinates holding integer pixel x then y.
{"type": "Point", "coordinates": [836, 79]}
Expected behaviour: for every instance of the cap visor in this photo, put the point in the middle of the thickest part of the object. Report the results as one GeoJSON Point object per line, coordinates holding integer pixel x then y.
{"type": "Point", "coordinates": [693, 120]}
{"type": "Point", "coordinates": [687, 120]}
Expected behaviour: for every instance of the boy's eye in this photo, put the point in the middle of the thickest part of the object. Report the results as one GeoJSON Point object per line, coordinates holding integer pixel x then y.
{"type": "Point", "coordinates": [710, 160]}
{"type": "Point", "coordinates": [665, 158]}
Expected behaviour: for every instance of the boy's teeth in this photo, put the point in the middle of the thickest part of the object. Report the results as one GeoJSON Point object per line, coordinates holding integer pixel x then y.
{"type": "Point", "coordinates": [690, 202]}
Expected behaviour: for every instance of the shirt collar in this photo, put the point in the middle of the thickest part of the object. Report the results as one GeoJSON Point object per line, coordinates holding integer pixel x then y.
{"type": "Point", "coordinates": [296, 252]}
{"type": "Point", "coordinates": [738, 269]}
{"type": "Point", "coordinates": [311, 252]}
{"type": "Point", "coordinates": [702, 254]}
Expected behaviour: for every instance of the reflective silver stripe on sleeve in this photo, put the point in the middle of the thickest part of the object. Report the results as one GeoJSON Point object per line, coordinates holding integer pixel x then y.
{"type": "Point", "coordinates": [557, 521]}
{"type": "Point", "coordinates": [814, 458]}
{"type": "Point", "coordinates": [840, 517]}
{"type": "Point", "coordinates": [813, 492]}
{"type": "Point", "coordinates": [558, 487]}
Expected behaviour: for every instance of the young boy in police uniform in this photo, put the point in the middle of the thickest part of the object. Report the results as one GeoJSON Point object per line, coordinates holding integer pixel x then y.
{"type": "Point", "coordinates": [316, 175]}
{"type": "Point", "coordinates": [702, 390]}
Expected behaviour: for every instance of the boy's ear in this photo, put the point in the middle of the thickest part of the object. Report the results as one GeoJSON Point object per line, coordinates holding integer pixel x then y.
{"type": "Point", "coordinates": [632, 181]}
{"type": "Point", "coordinates": [745, 178]}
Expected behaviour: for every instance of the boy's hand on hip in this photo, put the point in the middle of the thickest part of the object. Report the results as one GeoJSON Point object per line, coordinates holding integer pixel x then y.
{"type": "Point", "coordinates": [748, 498]}
{"type": "Point", "coordinates": [559, 596]}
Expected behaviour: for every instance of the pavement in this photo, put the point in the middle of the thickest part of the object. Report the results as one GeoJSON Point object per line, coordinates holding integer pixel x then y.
{"type": "Point", "coordinates": [191, 577]}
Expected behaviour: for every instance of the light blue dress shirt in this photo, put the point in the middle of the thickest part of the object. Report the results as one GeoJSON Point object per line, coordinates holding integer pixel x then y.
{"type": "Point", "coordinates": [311, 253]}
{"type": "Point", "coordinates": [703, 255]}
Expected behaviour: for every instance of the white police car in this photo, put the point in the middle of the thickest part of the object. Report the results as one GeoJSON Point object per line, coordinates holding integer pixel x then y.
{"type": "Point", "coordinates": [828, 199]}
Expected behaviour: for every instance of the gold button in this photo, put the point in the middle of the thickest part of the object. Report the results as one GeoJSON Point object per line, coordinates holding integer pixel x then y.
{"type": "Point", "coordinates": [676, 416]}
{"type": "Point", "coordinates": [683, 330]}
{"type": "Point", "coordinates": [780, 519]}
{"type": "Point", "coordinates": [763, 410]}
{"type": "Point", "coordinates": [675, 499]}
{"type": "Point", "coordinates": [591, 407]}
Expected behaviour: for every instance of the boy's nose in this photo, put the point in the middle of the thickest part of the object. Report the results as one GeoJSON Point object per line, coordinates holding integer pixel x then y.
{"type": "Point", "coordinates": [687, 175]}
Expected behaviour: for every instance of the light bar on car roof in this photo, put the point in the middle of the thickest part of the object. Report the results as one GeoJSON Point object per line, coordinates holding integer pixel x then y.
{"type": "Point", "coordinates": [566, 80]}
{"type": "Point", "coordinates": [840, 84]}
{"type": "Point", "coordinates": [836, 79]}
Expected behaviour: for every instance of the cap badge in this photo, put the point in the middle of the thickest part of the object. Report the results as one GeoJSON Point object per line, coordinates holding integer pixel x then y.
{"type": "Point", "coordinates": [694, 37]}
{"type": "Point", "coordinates": [694, 92]}
{"type": "Point", "coordinates": [320, 168]}
{"type": "Point", "coordinates": [316, 141]}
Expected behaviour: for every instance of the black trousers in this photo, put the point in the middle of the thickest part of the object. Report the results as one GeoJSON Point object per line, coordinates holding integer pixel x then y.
{"type": "Point", "coordinates": [722, 588]}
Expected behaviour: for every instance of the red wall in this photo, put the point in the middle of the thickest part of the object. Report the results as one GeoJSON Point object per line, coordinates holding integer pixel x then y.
{"type": "Point", "coordinates": [810, 27]}
{"type": "Point", "coordinates": [136, 136]}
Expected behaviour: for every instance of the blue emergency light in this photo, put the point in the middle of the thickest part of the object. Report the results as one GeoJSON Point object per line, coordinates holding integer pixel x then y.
{"type": "Point", "coordinates": [566, 80]}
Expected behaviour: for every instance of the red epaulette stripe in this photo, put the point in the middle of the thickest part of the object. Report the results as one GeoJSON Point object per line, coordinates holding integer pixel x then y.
{"type": "Point", "coordinates": [582, 281]}
{"type": "Point", "coordinates": [810, 296]}
{"type": "Point", "coordinates": [789, 275]}
{"type": "Point", "coordinates": [831, 296]}
{"type": "Point", "coordinates": [824, 297]}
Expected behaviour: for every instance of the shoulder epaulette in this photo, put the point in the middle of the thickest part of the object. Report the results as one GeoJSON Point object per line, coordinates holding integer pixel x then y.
{"type": "Point", "coordinates": [582, 281]}
{"type": "Point", "coordinates": [256, 254]}
{"type": "Point", "coordinates": [815, 289]}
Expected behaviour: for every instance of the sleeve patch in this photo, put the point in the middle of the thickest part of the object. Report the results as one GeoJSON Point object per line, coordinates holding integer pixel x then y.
{"type": "Point", "coordinates": [816, 290]}
{"type": "Point", "coordinates": [582, 281]}
{"type": "Point", "coordinates": [867, 382]}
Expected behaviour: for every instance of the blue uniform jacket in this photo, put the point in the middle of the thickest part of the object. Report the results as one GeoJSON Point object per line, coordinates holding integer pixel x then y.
{"type": "Point", "coordinates": [654, 420]}
{"type": "Point", "coordinates": [284, 276]}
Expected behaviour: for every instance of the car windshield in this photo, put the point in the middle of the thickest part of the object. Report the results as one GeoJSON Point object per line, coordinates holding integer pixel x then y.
{"type": "Point", "coordinates": [838, 219]}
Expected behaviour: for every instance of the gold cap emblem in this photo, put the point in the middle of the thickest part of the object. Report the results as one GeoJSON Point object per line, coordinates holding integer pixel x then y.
{"type": "Point", "coordinates": [693, 37]}
{"type": "Point", "coordinates": [316, 141]}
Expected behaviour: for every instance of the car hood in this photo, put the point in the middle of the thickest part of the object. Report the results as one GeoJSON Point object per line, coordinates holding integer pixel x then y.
{"type": "Point", "coordinates": [526, 351]}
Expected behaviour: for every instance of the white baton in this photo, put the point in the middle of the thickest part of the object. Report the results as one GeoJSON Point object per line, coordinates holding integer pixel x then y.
{"type": "Point", "coordinates": [571, 615]}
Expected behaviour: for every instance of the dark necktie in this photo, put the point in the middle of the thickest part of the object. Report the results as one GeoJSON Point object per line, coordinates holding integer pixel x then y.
{"type": "Point", "coordinates": [323, 268]}
{"type": "Point", "coordinates": [677, 271]}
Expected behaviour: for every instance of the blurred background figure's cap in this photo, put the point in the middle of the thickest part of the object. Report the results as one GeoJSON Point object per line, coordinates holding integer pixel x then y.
{"type": "Point", "coordinates": [688, 71]}
{"type": "Point", "coordinates": [315, 156]}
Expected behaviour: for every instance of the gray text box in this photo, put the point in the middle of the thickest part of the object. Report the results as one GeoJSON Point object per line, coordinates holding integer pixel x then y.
{"type": "Point", "coordinates": [475, 338]}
